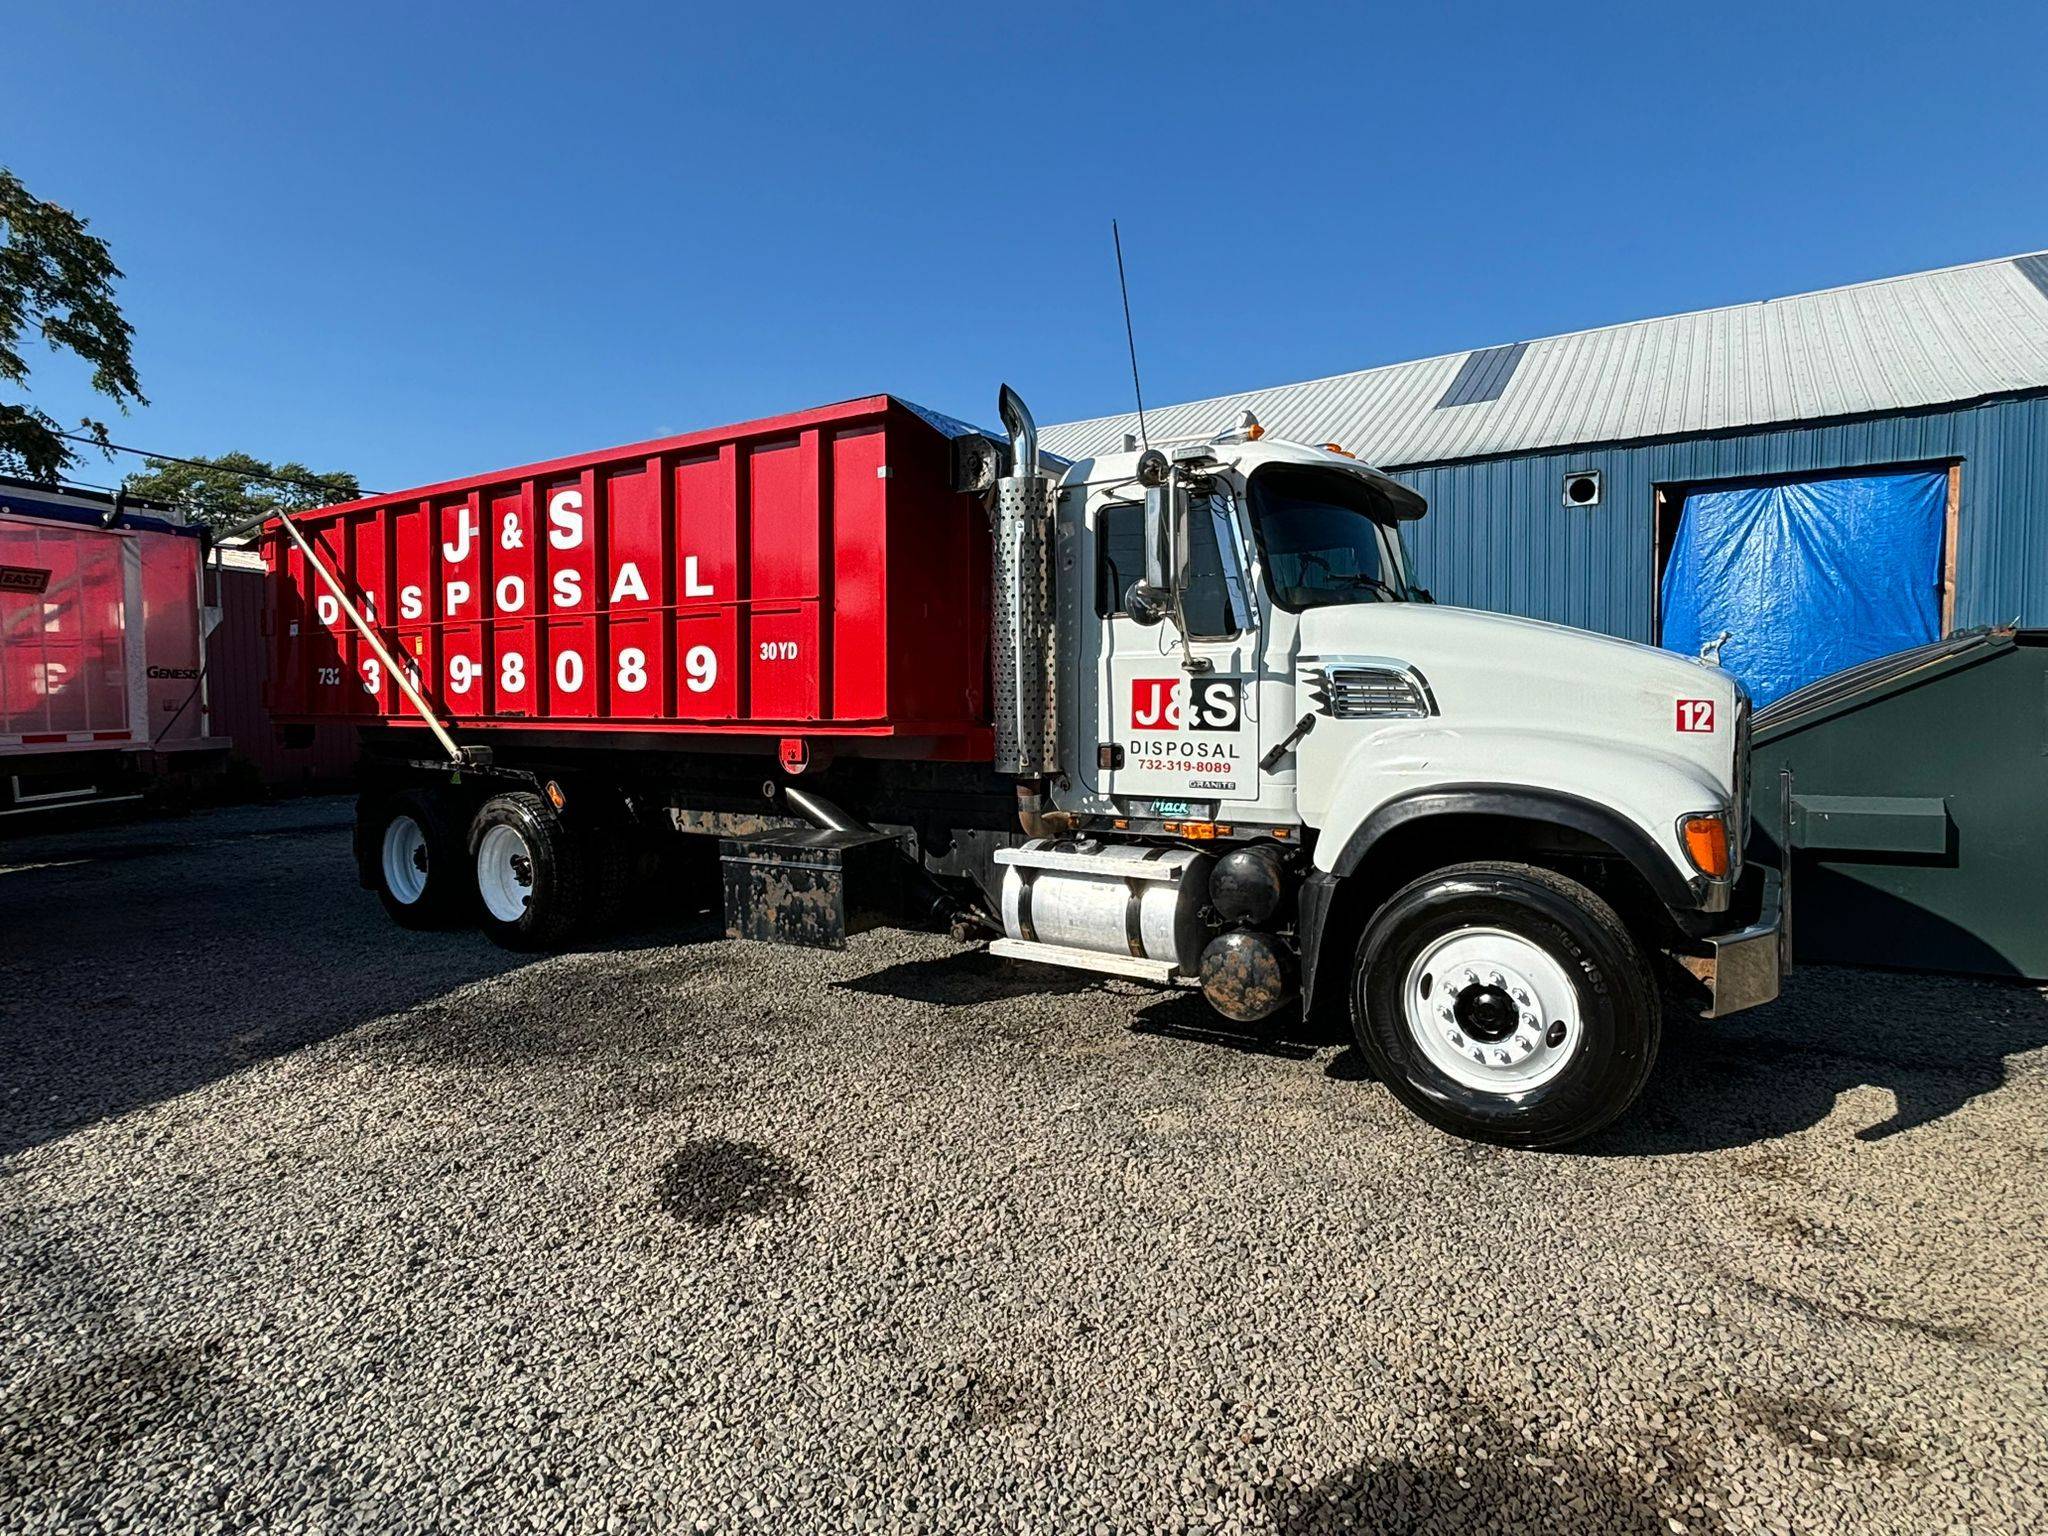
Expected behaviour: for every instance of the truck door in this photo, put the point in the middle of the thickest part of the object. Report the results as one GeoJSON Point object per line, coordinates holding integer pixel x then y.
{"type": "Point", "coordinates": [1181, 743]}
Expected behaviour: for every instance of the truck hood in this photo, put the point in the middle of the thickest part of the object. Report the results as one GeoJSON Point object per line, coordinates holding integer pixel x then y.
{"type": "Point", "coordinates": [1512, 693]}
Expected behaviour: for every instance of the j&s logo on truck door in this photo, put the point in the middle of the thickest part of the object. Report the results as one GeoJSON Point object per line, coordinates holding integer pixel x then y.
{"type": "Point", "coordinates": [1186, 704]}
{"type": "Point", "coordinates": [1184, 736]}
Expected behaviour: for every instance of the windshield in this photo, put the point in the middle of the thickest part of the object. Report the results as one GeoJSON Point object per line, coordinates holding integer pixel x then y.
{"type": "Point", "coordinates": [1319, 541]}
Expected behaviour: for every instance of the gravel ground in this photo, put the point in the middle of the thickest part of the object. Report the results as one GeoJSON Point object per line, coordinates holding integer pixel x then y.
{"type": "Point", "coordinates": [309, 1224]}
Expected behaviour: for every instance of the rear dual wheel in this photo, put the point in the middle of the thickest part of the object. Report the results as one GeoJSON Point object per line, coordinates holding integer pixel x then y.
{"type": "Point", "coordinates": [539, 881]}
{"type": "Point", "coordinates": [1505, 1003]}
{"type": "Point", "coordinates": [414, 858]}
{"type": "Point", "coordinates": [528, 879]}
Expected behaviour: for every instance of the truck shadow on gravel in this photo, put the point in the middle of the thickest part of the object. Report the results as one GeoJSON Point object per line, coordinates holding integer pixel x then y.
{"type": "Point", "coordinates": [969, 979]}
{"type": "Point", "coordinates": [142, 963]}
{"type": "Point", "coordinates": [1934, 1042]}
{"type": "Point", "coordinates": [1186, 1016]}
{"type": "Point", "coordinates": [974, 977]}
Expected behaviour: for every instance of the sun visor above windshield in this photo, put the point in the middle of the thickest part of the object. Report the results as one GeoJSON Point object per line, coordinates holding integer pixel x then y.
{"type": "Point", "coordinates": [1388, 497]}
{"type": "Point", "coordinates": [1403, 503]}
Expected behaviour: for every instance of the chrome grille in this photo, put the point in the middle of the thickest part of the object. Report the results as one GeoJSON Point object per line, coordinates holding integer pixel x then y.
{"type": "Point", "coordinates": [1372, 693]}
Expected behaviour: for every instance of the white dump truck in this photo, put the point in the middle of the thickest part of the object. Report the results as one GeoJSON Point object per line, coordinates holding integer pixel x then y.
{"type": "Point", "coordinates": [1180, 714]}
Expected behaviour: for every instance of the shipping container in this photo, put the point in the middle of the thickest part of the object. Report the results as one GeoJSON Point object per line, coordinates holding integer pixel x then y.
{"type": "Point", "coordinates": [812, 578]}
{"type": "Point", "coordinates": [238, 661]}
{"type": "Point", "coordinates": [103, 625]}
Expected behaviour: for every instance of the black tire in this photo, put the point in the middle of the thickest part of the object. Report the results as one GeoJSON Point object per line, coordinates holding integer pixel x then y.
{"type": "Point", "coordinates": [545, 894]}
{"type": "Point", "coordinates": [1619, 1020]}
{"type": "Point", "coordinates": [411, 855]}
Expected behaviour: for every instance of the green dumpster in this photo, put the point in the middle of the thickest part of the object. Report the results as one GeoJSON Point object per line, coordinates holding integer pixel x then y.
{"type": "Point", "coordinates": [1918, 815]}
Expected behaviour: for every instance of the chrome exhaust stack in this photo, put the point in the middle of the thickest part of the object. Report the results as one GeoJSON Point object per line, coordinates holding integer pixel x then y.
{"type": "Point", "coordinates": [1021, 662]}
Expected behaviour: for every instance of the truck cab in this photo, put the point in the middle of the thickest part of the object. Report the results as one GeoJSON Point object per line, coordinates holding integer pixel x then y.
{"type": "Point", "coordinates": [1499, 842]}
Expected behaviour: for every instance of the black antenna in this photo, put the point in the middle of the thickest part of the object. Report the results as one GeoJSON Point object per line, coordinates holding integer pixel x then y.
{"type": "Point", "coordinates": [1125, 288]}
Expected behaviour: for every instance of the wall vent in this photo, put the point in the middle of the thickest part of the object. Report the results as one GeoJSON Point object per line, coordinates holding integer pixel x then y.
{"type": "Point", "coordinates": [1582, 488]}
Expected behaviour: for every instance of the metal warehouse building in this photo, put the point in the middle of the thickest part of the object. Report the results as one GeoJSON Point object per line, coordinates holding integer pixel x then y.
{"type": "Point", "coordinates": [1882, 448]}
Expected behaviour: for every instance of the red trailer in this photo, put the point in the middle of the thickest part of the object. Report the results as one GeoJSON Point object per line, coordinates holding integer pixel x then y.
{"type": "Point", "coordinates": [103, 626]}
{"type": "Point", "coordinates": [812, 579]}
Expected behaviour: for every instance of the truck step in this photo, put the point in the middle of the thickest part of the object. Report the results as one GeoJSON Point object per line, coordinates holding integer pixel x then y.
{"type": "Point", "coordinates": [1141, 969]}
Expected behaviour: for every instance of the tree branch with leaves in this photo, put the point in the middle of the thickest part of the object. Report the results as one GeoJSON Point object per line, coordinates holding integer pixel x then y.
{"type": "Point", "coordinates": [230, 487]}
{"type": "Point", "coordinates": [56, 283]}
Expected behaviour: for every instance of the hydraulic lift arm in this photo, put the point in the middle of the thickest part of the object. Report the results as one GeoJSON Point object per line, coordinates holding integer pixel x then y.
{"type": "Point", "coordinates": [398, 674]}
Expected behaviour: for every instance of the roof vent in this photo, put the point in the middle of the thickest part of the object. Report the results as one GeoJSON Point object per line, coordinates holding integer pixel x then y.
{"type": "Point", "coordinates": [1484, 375]}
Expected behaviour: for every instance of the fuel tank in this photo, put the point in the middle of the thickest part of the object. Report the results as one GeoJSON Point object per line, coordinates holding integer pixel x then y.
{"type": "Point", "coordinates": [1108, 898]}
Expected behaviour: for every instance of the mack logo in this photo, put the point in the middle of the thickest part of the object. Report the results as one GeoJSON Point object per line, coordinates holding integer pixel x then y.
{"type": "Point", "coordinates": [23, 578]}
{"type": "Point", "coordinates": [1187, 704]}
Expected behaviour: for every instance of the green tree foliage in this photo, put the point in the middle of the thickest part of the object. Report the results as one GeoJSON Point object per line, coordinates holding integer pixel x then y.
{"type": "Point", "coordinates": [232, 486]}
{"type": "Point", "coordinates": [56, 282]}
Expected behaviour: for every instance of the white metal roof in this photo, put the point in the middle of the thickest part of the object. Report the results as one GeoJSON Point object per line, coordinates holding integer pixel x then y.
{"type": "Point", "coordinates": [1929, 338]}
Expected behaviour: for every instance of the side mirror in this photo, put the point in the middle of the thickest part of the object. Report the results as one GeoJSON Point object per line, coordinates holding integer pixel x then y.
{"type": "Point", "coordinates": [1166, 553]}
{"type": "Point", "coordinates": [1158, 526]}
{"type": "Point", "coordinates": [1146, 604]}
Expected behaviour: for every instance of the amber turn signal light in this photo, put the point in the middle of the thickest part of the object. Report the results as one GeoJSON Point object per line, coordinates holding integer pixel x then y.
{"type": "Point", "coordinates": [1197, 831]}
{"type": "Point", "coordinates": [1706, 844]}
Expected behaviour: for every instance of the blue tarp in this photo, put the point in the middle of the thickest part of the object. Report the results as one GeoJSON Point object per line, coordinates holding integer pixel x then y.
{"type": "Point", "coordinates": [1808, 577]}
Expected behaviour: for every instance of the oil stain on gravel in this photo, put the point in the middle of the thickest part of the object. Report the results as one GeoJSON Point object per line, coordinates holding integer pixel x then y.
{"type": "Point", "coordinates": [1454, 1493]}
{"type": "Point", "coordinates": [712, 1182]}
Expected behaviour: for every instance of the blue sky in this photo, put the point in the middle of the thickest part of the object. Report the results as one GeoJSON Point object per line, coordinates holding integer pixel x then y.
{"type": "Point", "coordinates": [421, 240]}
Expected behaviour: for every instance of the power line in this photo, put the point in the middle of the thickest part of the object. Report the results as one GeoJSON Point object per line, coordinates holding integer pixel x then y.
{"type": "Point", "coordinates": [352, 493]}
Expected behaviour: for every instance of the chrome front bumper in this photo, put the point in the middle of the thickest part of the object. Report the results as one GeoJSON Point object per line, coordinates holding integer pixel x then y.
{"type": "Point", "coordinates": [1743, 968]}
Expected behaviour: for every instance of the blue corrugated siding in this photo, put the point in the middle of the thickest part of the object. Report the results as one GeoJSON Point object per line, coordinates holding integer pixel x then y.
{"type": "Point", "coordinates": [1497, 535]}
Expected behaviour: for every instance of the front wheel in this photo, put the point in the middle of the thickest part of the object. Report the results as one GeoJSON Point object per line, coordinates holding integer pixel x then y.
{"type": "Point", "coordinates": [1505, 1003]}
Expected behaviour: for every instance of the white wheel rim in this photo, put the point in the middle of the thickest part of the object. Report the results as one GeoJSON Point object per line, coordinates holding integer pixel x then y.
{"type": "Point", "coordinates": [405, 860]}
{"type": "Point", "coordinates": [504, 873]}
{"type": "Point", "coordinates": [1492, 1010]}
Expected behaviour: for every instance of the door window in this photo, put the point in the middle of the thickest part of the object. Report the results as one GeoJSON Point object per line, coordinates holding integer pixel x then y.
{"type": "Point", "coordinates": [1213, 597]}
